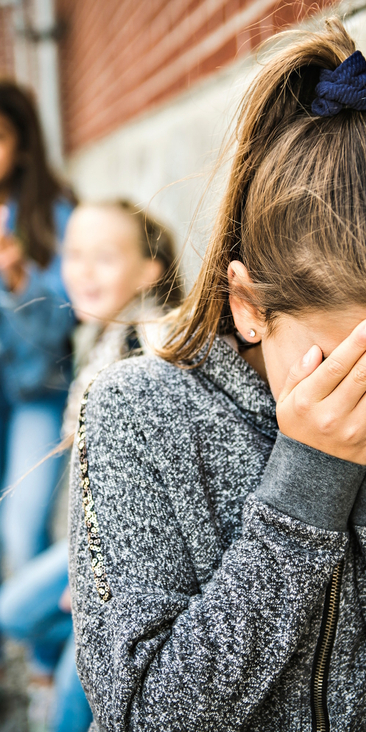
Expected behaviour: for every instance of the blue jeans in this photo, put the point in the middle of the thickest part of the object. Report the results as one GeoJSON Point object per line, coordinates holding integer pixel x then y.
{"type": "Point", "coordinates": [28, 432]}
{"type": "Point", "coordinates": [29, 611]}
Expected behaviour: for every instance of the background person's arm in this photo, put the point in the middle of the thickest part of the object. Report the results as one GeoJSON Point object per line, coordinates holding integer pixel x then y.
{"type": "Point", "coordinates": [35, 319]}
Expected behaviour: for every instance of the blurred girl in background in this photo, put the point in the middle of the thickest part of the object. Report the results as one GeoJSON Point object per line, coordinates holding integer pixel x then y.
{"type": "Point", "coordinates": [34, 326]}
{"type": "Point", "coordinates": [118, 267]}
{"type": "Point", "coordinates": [119, 271]}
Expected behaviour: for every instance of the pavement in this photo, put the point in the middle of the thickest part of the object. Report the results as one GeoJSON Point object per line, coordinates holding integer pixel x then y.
{"type": "Point", "coordinates": [13, 691]}
{"type": "Point", "coordinates": [24, 707]}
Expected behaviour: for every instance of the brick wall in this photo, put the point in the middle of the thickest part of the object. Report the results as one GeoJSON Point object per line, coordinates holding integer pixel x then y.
{"type": "Point", "coordinates": [6, 43]}
{"type": "Point", "coordinates": [120, 58]}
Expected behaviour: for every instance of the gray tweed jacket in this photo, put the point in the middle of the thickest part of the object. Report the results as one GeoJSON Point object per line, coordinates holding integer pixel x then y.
{"type": "Point", "coordinates": [218, 570]}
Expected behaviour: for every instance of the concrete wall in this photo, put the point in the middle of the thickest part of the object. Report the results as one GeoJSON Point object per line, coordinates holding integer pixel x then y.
{"type": "Point", "coordinates": [165, 157]}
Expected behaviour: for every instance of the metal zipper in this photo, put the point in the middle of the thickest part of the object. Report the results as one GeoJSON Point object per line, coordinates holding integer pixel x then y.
{"type": "Point", "coordinates": [324, 651]}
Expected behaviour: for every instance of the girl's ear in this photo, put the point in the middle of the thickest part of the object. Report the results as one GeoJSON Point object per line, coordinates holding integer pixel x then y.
{"type": "Point", "coordinates": [151, 273]}
{"type": "Point", "coordinates": [246, 318]}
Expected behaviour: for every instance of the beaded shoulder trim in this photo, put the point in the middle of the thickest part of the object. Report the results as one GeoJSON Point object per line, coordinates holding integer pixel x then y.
{"type": "Point", "coordinates": [91, 521]}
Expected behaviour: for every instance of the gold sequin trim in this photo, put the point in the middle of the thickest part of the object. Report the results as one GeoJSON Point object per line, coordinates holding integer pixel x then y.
{"type": "Point", "coordinates": [91, 521]}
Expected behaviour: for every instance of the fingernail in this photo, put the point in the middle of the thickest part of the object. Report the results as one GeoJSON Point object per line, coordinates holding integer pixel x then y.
{"type": "Point", "coordinates": [306, 358]}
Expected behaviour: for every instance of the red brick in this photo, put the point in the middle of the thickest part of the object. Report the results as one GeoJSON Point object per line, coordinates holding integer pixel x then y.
{"type": "Point", "coordinates": [231, 7]}
{"type": "Point", "coordinates": [6, 44]}
{"type": "Point", "coordinates": [214, 62]}
{"type": "Point", "coordinates": [266, 27]}
{"type": "Point", "coordinates": [243, 43]}
{"type": "Point", "coordinates": [114, 54]}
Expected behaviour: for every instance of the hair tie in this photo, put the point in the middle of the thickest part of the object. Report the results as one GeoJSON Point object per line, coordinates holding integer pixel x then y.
{"type": "Point", "coordinates": [345, 87]}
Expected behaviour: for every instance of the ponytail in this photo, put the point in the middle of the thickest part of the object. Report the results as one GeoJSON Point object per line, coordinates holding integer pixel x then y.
{"type": "Point", "coordinates": [275, 116]}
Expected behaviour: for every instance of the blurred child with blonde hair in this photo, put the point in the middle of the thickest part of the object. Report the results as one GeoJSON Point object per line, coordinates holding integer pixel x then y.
{"type": "Point", "coordinates": [118, 268]}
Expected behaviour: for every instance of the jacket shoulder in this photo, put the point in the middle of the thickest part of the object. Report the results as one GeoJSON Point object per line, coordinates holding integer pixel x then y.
{"type": "Point", "coordinates": [147, 385]}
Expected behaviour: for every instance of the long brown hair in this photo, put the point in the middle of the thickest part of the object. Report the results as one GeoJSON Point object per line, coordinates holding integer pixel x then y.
{"type": "Point", "coordinates": [295, 207]}
{"type": "Point", "coordinates": [32, 183]}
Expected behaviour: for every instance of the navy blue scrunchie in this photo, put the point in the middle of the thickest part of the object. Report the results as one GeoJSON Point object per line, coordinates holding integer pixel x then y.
{"type": "Point", "coordinates": [343, 87]}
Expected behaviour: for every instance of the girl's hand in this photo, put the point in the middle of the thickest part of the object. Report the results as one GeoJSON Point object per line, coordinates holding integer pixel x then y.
{"type": "Point", "coordinates": [65, 600]}
{"type": "Point", "coordinates": [12, 262]}
{"type": "Point", "coordinates": [323, 404]}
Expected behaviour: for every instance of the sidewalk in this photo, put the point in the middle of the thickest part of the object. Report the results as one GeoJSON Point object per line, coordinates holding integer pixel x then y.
{"type": "Point", "coordinates": [13, 694]}
{"type": "Point", "coordinates": [14, 688]}
{"type": "Point", "coordinates": [15, 706]}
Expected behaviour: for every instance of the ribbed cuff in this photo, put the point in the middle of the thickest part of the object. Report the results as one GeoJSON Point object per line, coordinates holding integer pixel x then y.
{"type": "Point", "coordinates": [358, 515]}
{"type": "Point", "coordinates": [310, 485]}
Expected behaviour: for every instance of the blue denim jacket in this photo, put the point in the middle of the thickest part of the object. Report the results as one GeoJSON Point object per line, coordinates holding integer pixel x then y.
{"type": "Point", "coordinates": [35, 325]}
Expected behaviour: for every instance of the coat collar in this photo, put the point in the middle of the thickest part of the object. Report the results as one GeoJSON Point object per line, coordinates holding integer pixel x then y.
{"type": "Point", "coordinates": [233, 375]}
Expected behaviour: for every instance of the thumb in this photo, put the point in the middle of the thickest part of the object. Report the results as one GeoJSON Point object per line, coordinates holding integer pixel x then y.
{"type": "Point", "coordinates": [301, 369]}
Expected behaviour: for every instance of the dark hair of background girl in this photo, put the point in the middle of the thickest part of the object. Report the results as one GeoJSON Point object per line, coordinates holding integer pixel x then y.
{"type": "Point", "coordinates": [33, 184]}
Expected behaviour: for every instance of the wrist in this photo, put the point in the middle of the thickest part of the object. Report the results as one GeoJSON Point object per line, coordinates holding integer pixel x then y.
{"type": "Point", "coordinates": [358, 515]}
{"type": "Point", "coordinates": [309, 485]}
{"type": "Point", "coordinates": [15, 280]}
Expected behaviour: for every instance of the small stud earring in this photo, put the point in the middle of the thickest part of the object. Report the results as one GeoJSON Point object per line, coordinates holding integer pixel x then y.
{"type": "Point", "coordinates": [251, 333]}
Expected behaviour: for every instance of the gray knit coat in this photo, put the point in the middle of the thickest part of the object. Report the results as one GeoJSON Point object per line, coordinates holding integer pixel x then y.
{"type": "Point", "coordinates": [203, 548]}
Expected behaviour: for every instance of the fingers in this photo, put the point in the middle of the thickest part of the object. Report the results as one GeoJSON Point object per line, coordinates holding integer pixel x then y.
{"type": "Point", "coordinates": [301, 369]}
{"type": "Point", "coordinates": [358, 421]}
{"type": "Point", "coordinates": [351, 389]}
{"type": "Point", "coordinates": [338, 365]}
{"type": "Point", "coordinates": [347, 363]}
